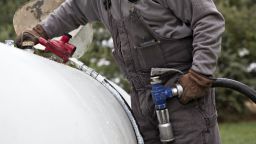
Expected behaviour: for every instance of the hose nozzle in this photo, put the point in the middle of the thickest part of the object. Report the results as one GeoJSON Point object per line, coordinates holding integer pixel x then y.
{"type": "Point", "coordinates": [165, 127]}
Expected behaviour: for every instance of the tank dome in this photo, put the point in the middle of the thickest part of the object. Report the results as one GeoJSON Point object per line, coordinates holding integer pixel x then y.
{"type": "Point", "coordinates": [44, 102]}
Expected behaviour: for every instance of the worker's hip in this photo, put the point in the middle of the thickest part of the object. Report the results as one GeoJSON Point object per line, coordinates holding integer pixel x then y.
{"type": "Point", "coordinates": [194, 123]}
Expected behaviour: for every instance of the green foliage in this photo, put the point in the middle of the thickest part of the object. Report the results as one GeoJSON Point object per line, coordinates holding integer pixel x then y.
{"type": "Point", "coordinates": [238, 133]}
{"type": "Point", "coordinates": [240, 36]}
{"type": "Point", "coordinates": [8, 8]}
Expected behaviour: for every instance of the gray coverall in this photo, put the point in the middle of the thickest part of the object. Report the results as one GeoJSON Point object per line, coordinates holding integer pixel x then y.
{"type": "Point", "coordinates": [179, 34]}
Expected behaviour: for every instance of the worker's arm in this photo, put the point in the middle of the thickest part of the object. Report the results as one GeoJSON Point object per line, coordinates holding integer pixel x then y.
{"type": "Point", "coordinates": [70, 15]}
{"type": "Point", "coordinates": [207, 25]}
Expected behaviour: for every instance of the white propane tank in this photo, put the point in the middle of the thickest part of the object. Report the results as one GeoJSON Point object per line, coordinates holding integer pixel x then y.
{"type": "Point", "coordinates": [44, 102]}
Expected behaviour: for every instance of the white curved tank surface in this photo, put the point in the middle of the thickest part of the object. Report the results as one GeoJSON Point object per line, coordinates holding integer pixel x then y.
{"type": "Point", "coordinates": [44, 102]}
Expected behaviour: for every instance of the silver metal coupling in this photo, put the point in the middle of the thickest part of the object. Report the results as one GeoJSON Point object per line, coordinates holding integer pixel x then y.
{"type": "Point", "coordinates": [165, 127]}
{"type": "Point", "coordinates": [178, 90]}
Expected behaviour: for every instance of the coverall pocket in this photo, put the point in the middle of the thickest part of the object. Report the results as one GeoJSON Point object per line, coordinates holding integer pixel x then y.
{"type": "Point", "coordinates": [150, 55]}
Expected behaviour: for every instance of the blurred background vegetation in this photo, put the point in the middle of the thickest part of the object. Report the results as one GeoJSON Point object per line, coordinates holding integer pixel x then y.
{"type": "Point", "coordinates": [237, 61]}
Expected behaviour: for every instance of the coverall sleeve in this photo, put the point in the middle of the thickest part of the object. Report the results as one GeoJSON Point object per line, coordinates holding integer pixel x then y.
{"type": "Point", "coordinates": [69, 16]}
{"type": "Point", "coordinates": [207, 25]}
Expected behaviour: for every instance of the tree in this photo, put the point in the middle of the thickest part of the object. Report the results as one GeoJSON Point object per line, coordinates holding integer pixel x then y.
{"type": "Point", "coordinates": [8, 8]}
{"type": "Point", "coordinates": [239, 42]}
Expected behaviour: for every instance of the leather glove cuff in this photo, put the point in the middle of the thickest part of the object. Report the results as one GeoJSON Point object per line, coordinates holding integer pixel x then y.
{"type": "Point", "coordinates": [39, 31]}
{"type": "Point", "coordinates": [195, 85]}
{"type": "Point", "coordinates": [200, 79]}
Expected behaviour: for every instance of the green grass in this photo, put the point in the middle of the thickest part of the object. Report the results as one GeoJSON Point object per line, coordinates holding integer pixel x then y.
{"type": "Point", "coordinates": [238, 133]}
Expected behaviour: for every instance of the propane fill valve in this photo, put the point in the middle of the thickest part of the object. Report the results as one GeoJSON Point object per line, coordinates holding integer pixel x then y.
{"type": "Point", "coordinates": [62, 48]}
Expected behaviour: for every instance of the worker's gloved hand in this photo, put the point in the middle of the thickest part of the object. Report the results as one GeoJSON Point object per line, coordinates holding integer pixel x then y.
{"type": "Point", "coordinates": [194, 85]}
{"type": "Point", "coordinates": [29, 38]}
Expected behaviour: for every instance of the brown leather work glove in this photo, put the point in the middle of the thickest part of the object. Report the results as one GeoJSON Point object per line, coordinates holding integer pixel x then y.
{"type": "Point", "coordinates": [30, 37]}
{"type": "Point", "coordinates": [194, 85]}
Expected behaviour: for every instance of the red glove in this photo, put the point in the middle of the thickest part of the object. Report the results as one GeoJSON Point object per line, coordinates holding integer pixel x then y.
{"type": "Point", "coordinates": [195, 85]}
{"type": "Point", "coordinates": [30, 37]}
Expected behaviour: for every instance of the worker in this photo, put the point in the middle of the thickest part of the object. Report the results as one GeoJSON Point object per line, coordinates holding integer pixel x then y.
{"type": "Point", "coordinates": [179, 34]}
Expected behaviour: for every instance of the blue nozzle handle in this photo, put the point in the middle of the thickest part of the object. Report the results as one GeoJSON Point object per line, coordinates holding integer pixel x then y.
{"type": "Point", "coordinates": [161, 93]}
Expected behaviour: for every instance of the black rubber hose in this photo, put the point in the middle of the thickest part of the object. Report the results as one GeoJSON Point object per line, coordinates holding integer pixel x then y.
{"type": "Point", "coordinates": [237, 86]}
